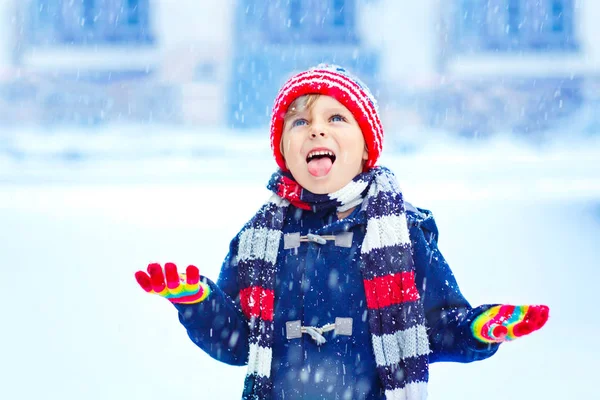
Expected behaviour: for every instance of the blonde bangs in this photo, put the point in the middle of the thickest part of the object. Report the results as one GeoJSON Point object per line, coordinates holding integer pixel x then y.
{"type": "Point", "coordinates": [301, 104]}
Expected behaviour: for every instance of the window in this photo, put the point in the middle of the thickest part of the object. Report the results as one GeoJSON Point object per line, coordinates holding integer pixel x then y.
{"type": "Point", "coordinates": [295, 14]}
{"type": "Point", "coordinates": [310, 21]}
{"type": "Point", "coordinates": [558, 16]}
{"type": "Point", "coordinates": [339, 13]}
{"type": "Point", "coordinates": [513, 18]}
{"type": "Point", "coordinates": [89, 22]}
{"type": "Point", "coordinates": [88, 17]}
{"type": "Point", "coordinates": [133, 12]}
{"type": "Point", "coordinates": [514, 25]}
{"type": "Point", "coordinates": [44, 17]}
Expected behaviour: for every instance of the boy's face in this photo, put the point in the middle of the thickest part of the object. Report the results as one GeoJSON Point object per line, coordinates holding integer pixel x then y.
{"type": "Point", "coordinates": [323, 146]}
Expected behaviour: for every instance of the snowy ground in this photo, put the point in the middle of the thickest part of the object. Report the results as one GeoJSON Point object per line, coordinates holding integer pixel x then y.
{"type": "Point", "coordinates": [79, 214]}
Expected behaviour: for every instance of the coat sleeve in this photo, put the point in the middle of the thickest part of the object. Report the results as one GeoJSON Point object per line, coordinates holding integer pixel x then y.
{"type": "Point", "coordinates": [217, 324]}
{"type": "Point", "coordinates": [448, 314]}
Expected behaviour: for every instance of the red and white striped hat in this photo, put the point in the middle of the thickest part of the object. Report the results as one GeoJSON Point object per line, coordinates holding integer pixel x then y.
{"type": "Point", "coordinates": [334, 81]}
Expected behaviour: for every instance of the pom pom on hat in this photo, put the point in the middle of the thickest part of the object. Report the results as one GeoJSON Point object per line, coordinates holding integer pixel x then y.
{"type": "Point", "coordinates": [334, 81]}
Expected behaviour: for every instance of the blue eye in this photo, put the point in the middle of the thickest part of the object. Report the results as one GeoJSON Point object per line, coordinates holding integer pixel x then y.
{"type": "Point", "coordinates": [337, 118]}
{"type": "Point", "coordinates": [299, 122]}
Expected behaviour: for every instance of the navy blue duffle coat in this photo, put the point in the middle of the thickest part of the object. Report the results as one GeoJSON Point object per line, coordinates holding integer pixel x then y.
{"type": "Point", "coordinates": [317, 283]}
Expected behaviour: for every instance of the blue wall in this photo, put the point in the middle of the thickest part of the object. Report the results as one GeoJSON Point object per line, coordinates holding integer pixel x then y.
{"type": "Point", "coordinates": [272, 40]}
{"type": "Point", "coordinates": [514, 26]}
{"type": "Point", "coordinates": [84, 22]}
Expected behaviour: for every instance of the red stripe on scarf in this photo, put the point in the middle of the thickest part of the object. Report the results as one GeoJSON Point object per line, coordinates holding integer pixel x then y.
{"type": "Point", "coordinates": [290, 190]}
{"type": "Point", "coordinates": [257, 302]}
{"type": "Point", "coordinates": [391, 289]}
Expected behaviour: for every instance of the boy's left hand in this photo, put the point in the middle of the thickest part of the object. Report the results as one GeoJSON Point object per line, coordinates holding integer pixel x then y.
{"type": "Point", "coordinates": [505, 322]}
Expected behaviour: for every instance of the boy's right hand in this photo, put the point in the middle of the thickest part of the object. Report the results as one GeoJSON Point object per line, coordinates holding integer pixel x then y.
{"type": "Point", "coordinates": [184, 288]}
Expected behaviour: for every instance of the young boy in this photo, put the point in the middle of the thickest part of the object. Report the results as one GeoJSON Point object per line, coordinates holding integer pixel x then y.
{"type": "Point", "coordinates": [336, 288]}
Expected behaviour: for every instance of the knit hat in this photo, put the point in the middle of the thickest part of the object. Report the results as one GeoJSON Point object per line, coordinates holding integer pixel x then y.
{"type": "Point", "coordinates": [334, 81]}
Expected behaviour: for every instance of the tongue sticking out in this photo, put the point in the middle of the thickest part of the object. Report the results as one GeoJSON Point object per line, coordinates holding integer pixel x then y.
{"type": "Point", "coordinates": [320, 166]}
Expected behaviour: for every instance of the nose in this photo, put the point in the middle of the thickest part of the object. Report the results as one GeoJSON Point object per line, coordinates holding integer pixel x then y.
{"type": "Point", "coordinates": [317, 132]}
{"type": "Point", "coordinates": [318, 128]}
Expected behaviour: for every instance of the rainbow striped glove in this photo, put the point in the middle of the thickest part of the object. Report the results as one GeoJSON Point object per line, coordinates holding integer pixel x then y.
{"type": "Point", "coordinates": [504, 323]}
{"type": "Point", "coordinates": [184, 288]}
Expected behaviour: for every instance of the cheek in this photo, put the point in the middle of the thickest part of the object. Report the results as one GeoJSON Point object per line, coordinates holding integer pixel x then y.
{"type": "Point", "coordinates": [343, 157]}
{"type": "Point", "coordinates": [288, 143]}
{"type": "Point", "coordinates": [352, 154]}
{"type": "Point", "coordinates": [285, 145]}
{"type": "Point", "coordinates": [291, 149]}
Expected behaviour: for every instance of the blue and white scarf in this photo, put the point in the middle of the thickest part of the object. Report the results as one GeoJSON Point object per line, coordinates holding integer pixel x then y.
{"type": "Point", "coordinates": [395, 312]}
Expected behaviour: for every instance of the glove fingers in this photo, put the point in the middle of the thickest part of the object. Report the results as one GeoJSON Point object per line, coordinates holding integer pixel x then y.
{"type": "Point", "coordinates": [172, 276]}
{"type": "Point", "coordinates": [544, 314]}
{"type": "Point", "coordinates": [534, 319]}
{"type": "Point", "coordinates": [521, 329]}
{"type": "Point", "coordinates": [531, 317]}
{"type": "Point", "coordinates": [156, 277]}
{"type": "Point", "coordinates": [539, 316]}
{"type": "Point", "coordinates": [143, 280]}
{"type": "Point", "coordinates": [192, 275]}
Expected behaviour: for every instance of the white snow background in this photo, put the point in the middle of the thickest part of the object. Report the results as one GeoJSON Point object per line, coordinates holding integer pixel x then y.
{"type": "Point", "coordinates": [80, 212]}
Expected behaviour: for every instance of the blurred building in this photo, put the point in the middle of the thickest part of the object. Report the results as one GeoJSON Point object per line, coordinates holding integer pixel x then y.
{"type": "Point", "coordinates": [471, 66]}
{"type": "Point", "coordinates": [273, 39]}
{"type": "Point", "coordinates": [89, 61]}
{"type": "Point", "coordinates": [520, 65]}
{"type": "Point", "coordinates": [495, 65]}
{"type": "Point", "coordinates": [207, 62]}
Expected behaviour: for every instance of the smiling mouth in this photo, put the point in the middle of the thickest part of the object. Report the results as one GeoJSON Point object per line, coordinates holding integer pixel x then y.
{"type": "Point", "coordinates": [320, 162]}
{"type": "Point", "coordinates": [317, 155]}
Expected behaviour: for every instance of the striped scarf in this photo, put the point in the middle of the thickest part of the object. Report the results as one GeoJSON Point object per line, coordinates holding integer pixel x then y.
{"type": "Point", "coordinates": [396, 318]}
